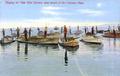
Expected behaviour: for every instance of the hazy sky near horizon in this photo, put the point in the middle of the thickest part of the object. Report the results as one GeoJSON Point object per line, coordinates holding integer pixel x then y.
{"type": "Point", "coordinates": [89, 11]}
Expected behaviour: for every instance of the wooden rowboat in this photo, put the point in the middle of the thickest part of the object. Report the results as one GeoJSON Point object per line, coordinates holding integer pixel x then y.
{"type": "Point", "coordinates": [112, 35]}
{"type": "Point", "coordinates": [69, 43]}
{"type": "Point", "coordinates": [91, 39]}
{"type": "Point", "coordinates": [6, 40]}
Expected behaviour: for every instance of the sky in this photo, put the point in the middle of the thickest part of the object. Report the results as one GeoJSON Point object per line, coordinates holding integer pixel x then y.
{"type": "Point", "coordinates": [89, 12]}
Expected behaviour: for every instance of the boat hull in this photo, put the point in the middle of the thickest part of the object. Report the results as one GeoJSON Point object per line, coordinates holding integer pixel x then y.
{"type": "Point", "coordinates": [111, 35]}
{"type": "Point", "coordinates": [91, 42]}
{"type": "Point", "coordinates": [7, 40]}
{"type": "Point", "coordinates": [91, 39]}
{"type": "Point", "coordinates": [38, 43]}
{"type": "Point", "coordinates": [64, 45]}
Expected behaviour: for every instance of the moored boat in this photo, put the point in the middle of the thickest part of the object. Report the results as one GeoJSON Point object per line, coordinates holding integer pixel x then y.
{"type": "Point", "coordinates": [91, 39]}
{"type": "Point", "coordinates": [78, 32]}
{"type": "Point", "coordinates": [51, 39]}
{"type": "Point", "coordinates": [112, 34]}
{"type": "Point", "coordinates": [71, 42]}
{"type": "Point", "coordinates": [7, 40]}
{"type": "Point", "coordinates": [41, 41]}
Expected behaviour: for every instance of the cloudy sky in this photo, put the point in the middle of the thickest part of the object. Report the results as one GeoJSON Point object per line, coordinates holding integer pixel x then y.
{"type": "Point", "coordinates": [90, 12]}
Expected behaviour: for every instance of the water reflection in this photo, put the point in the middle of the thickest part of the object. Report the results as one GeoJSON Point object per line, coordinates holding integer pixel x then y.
{"type": "Point", "coordinates": [18, 48]}
{"type": "Point", "coordinates": [50, 46]}
{"type": "Point", "coordinates": [70, 49]}
{"type": "Point", "coordinates": [109, 41]}
{"type": "Point", "coordinates": [96, 47]}
{"type": "Point", "coordinates": [26, 51]}
{"type": "Point", "coordinates": [26, 48]}
{"type": "Point", "coordinates": [66, 58]}
{"type": "Point", "coordinates": [88, 56]}
{"type": "Point", "coordinates": [114, 42]}
{"type": "Point", "coordinates": [46, 49]}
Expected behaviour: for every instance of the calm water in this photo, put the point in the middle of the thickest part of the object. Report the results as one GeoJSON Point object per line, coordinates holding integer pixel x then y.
{"type": "Point", "coordinates": [88, 60]}
{"type": "Point", "coordinates": [46, 60]}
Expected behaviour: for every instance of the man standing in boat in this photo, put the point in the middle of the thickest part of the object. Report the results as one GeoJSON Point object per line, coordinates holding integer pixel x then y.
{"type": "Point", "coordinates": [109, 29]}
{"type": "Point", "coordinates": [65, 32]}
{"type": "Point", "coordinates": [96, 29]}
{"type": "Point", "coordinates": [85, 30]}
{"type": "Point", "coordinates": [61, 29]}
{"type": "Point", "coordinates": [18, 32]}
{"type": "Point", "coordinates": [92, 30]}
{"type": "Point", "coordinates": [45, 32]}
{"type": "Point", "coordinates": [114, 32]}
{"type": "Point", "coordinates": [11, 31]}
{"type": "Point", "coordinates": [70, 30]}
{"type": "Point", "coordinates": [3, 31]}
{"type": "Point", "coordinates": [30, 32]}
{"type": "Point", "coordinates": [78, 28]}
{"type": "Point", "coordinates": [119, 28]}
{"type": "Point", "coordinates": [25, 34]}
{"type": "Point", "coordinates": [38, 31]}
